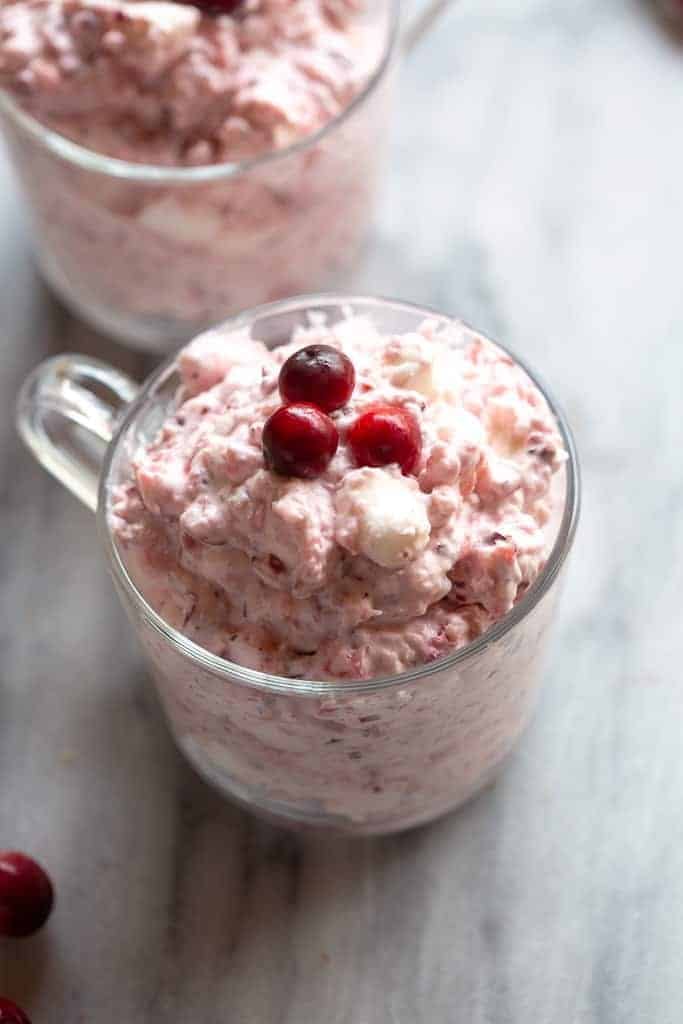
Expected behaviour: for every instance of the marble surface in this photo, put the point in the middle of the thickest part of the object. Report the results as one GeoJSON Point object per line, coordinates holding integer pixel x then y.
{"type": "Point", "coordinates": [534, 188]}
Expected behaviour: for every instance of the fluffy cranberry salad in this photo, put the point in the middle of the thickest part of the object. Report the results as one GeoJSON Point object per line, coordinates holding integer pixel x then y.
{"type": "Point", "coordinates": [348, 505]}
{"type": "Point", "coordinates": [177, 83]}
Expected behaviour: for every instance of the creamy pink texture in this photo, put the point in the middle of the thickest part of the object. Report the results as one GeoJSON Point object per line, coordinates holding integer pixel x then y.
{"type": "Point", "coordinates": [154, 262]}
{"type": "Point", "coordinates": [362, 572]}
{"type": "Point", "coordinates": [160, 82]}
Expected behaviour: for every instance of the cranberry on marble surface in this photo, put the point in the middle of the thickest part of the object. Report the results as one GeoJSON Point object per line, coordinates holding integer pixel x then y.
{"type": "Point", "coordinates": [319, 374]}
{"type": "Point", "coordinates": [26, 895]}
{"type": "Point", "coordinates": [385, 434]}
{"type": "Point", "coordinates": [299, 440]}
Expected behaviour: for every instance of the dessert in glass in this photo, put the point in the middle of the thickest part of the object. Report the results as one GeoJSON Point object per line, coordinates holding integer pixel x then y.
{"type": "Point", "coordinates": [182, 163]}
{"type": "Point", "coordinates": [337, 526]}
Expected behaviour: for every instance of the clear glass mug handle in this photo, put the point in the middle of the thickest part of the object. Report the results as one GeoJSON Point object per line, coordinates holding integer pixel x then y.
{"type": "Point", "coordinates": [423, 22]}
{"type": "Point", "coordinates": [67, 412]}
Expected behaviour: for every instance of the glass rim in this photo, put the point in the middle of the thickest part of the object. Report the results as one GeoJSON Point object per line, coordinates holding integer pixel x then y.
{"type": "Point", "coordinates": [265, 681]}
{"type": "Point", "coordinates": [100, 163]}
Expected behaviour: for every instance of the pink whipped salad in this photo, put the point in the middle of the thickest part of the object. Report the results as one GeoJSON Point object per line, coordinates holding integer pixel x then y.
{"type": "Point", "coordinates": [164, 83]}
{"type": "Point", "coordinates": [362, 572]}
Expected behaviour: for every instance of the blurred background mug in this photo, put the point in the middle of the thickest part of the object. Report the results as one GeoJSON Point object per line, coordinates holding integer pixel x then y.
{"type": "Point", "coordinates": [153, 255]}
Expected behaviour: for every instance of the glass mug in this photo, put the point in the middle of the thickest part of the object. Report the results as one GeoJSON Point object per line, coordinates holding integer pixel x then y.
{"type": "Point", "coordinates": [154, 255]}
{"type": "Point", "coordinates": [367, 757]}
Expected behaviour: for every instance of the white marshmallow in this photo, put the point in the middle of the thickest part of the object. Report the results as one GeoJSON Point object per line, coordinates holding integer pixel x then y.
{"type": "Point", "coordinates": [168, 218]}
{"type": "Point", "coordinates": [171, 18]}
{"type": "Point", "coordinates": [456, 425]}
{"type": "Point", "coordinates": [414, 364]}
{"type": "Point", "coordinates": [391, 523]}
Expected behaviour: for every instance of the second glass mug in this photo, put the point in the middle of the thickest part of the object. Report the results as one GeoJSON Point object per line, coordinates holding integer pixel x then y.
{"type": "Point", "coordinates": [364, 758]}
{"type": "Point", "coordinates": [153, 255]}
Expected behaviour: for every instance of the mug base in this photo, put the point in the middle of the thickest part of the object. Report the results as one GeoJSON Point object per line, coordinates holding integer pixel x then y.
{"type": "Point", "coordinates": [311, 820]}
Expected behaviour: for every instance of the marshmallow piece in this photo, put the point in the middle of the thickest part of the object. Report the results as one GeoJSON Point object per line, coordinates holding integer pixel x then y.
{"type": "Point", "coordinates": [413, 364]}
{"type": "Point", "coordinates": [390, 516]}
{"type": "Point", "coordinates": [456, 425]}
{"type": "Point", "coordinates": [149, 35]}
{"type": "Point", "coordinates": [170, 18]}
{"type": "Point", "coordinates": [508, 424]}
{"type": "Point", "coordinates": [167, 217]}
{"type": "Point", "coordinates": [409, 364]}
{"type": "Point", "coordinates": [395, 527]}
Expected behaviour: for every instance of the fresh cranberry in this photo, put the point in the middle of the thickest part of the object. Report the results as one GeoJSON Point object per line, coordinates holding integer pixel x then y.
{"type": "Point", "coordinates": [215, 6]}
{"type": "Point", "coordinates": [299, 440]}
{"type": "Point", "coordinates": [11, 1014]}
{"type": "Point", "coordinates": [384, 434]}
{"type": "Point", "coordinates": [26, 895]}
{"type": "Point", "coordinates": [318, 374]}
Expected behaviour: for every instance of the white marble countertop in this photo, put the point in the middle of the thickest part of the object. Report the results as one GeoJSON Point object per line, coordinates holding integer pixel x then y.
{"type": "Point", "coordinates": [535, 188]}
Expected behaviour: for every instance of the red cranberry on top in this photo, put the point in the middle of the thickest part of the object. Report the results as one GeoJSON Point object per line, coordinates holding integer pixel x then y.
{"type": "Point", "coordinates": [299, 440]}
{"type": "Point", "coordinates": [215, 6]}
{"type": "Point", "coordinates": [385, 434]}
{"type": "Point", "coordinates": [319, 374]}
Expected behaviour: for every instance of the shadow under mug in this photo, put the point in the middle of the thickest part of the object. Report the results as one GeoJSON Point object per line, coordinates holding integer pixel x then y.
{"type": "Point", "coordinates": [152, 255]}
{"type": "Point", "coordinates": [366, 757]}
